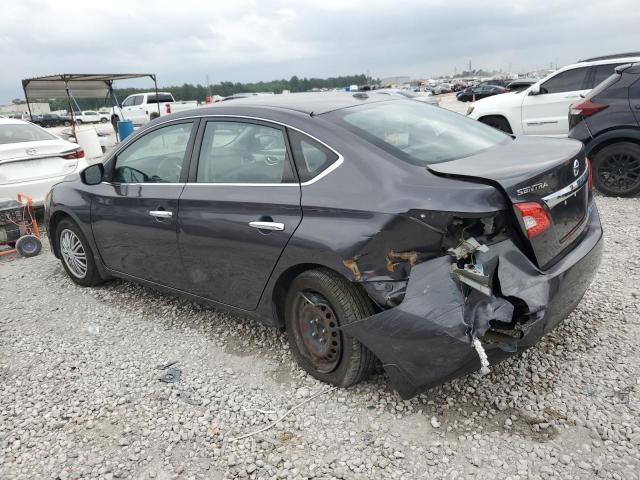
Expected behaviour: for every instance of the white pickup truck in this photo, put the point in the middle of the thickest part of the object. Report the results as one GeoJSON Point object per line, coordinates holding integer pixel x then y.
{"type": "Point", "coordinates": [141, 108]}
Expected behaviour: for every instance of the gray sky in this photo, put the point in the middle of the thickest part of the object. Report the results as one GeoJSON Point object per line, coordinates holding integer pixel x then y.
{"type": "Point", "coordinates": [243, 40]}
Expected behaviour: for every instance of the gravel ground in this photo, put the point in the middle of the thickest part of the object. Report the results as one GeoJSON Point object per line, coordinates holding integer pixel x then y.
{"type": "Point", "coordinates": [81, 397]}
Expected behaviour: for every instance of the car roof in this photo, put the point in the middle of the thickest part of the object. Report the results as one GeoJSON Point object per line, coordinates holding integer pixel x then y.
{"type": "Point", "coordinates": [312, 103]}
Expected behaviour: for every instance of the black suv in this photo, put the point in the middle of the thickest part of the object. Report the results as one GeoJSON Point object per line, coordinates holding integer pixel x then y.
{"type": "Point", "coordinates": [607, 121]}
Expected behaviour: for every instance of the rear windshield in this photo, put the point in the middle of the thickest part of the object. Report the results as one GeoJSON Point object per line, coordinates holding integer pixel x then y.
{"type": "Point", "coordinates": [418, 133]}
{"type": "Point", "coordinates": [22, 132]}
{"type": "Point", "coordinates": [161, 98]}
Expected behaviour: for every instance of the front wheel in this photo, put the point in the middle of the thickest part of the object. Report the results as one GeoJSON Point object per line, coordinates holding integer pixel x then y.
{"type": "Point", "coordinates": [318, 302]}
{"type": "Point", "coordinates": [76, 255]}
{"type": "Point", "coordinates": [616, 169]}
{"type": "Point", "coordinates": [103, 120]}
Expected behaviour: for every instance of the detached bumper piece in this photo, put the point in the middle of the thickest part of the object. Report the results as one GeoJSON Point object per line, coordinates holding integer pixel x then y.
{"type": "Point", "coordinates": [447, 326]}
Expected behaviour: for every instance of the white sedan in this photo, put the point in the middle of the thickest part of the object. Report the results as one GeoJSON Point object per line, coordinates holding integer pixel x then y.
{"type": "Point", "coordinates": [32, 160]}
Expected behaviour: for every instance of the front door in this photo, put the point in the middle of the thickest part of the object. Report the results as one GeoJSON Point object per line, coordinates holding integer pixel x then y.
{"type": "Point", "coordinates": [135, 212]}
{"type": "Point", "coordinates": [547, 113]}
{"type": "Point", "coordinates": [238, 210]}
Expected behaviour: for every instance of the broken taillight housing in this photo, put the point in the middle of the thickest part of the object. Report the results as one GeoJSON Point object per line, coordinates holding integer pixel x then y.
{"type": "Point", "coordinates": [74, 155]}
{"type": "Point", "coordinates": [534, 217]}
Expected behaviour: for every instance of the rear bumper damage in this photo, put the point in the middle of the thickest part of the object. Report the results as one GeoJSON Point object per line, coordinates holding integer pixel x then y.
{"type": "Point", "coordinates": [443, 328]}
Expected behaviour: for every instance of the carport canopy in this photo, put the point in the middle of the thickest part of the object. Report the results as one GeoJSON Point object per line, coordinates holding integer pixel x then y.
{"type": "Point", "coordinates": [77, 85]}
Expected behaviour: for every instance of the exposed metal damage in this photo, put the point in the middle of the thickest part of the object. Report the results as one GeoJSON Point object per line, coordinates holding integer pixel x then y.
{"type": "Point", "coordinates": [470, 307]}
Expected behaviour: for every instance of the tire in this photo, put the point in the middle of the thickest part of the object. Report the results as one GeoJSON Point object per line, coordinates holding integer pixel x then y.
{"type": "Point", "coordinates": [324, 296]}
{"type": "Point", "coordinates": [103, 120]}
{"type": "Point", "coordinates": [616, 169]}
{"type": "Point", "coordinates": [82, 271]}
{"type": "Point", "coordinates": [500, 123]}
{"type": "Point", "coordinates": [28, 246]}
{"type": "Point", "coordinates": [79, 122]}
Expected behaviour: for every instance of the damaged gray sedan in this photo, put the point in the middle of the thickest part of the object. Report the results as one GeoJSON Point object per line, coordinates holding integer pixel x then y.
{"type": "Point", "coordinates": [370, 228]}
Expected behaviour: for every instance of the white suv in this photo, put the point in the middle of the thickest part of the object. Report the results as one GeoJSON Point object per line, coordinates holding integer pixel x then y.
{"type": "Point", "coordinates": [543, 108]}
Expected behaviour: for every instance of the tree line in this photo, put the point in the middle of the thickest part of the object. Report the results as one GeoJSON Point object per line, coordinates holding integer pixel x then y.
{"type": "Point", "coordinates": [188, 91]}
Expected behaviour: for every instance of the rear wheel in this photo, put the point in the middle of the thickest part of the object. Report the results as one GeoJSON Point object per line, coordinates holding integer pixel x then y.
{"type": "Point", "coordinates": [103, 120]}
{"type": "Point", "coordinates": [318, 303]}
{"type": "Point", "coordinates": [616, 169]}
{"type": "Point", "coordinates": [498, 122]}
{"type": "Point", "coordinates": [76, 255]}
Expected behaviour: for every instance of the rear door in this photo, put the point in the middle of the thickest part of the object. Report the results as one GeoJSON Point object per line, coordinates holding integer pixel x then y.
{"type": "Point", "coordinates": [134, 213]}
{"type": "Point", "coordinates": [547, 113]}
{"type": "Point", "coordinates": [239, 209]}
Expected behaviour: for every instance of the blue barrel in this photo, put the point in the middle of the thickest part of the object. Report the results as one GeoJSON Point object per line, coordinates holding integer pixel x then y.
{"type": "Point", "coordinates": [125, 128]}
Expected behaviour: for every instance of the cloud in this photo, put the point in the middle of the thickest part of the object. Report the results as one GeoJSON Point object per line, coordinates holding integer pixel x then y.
{"type": "Point", "coordinates": [249, 40]}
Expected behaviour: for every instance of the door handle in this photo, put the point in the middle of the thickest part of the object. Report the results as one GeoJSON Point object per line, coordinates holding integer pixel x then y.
{"type": "Point", "coordinates": [267, 226]}
{"type": "Point", "coordinates": [160, 213]}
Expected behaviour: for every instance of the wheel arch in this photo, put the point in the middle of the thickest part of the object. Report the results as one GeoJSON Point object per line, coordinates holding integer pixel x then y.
{"type": "Point", "coordinates": [498, 116]}
{"type": "Point", "coordinates": [283, 283]}
{"type": "Point", "coordinates": [611, 137]}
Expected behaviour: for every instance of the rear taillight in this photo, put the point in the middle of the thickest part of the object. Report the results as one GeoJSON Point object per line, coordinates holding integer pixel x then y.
{"type": "Point", "coordinates": [590, 174]}
{"type": "Point", "coordinates": [76, 154]}
{"type": "Point", "coordinates": [586, 108]}
{"type": "Point", "coordinates": [167, 108]}
{"type": "Point", "coordinates": [534, 217]}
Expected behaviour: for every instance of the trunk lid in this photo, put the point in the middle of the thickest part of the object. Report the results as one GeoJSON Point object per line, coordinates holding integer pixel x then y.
{"type": "Point", "coordinates": [20, 162]}
{"type": "Point", "coordinates": [551, 172]}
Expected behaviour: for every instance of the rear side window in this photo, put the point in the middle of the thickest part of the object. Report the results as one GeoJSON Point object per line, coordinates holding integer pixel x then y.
{"type": "Point", "coordinates": [312, 158]}
{"type": "Point", "coordinates": [417, 133]}
{"type": "Point", "coordinates": [567, 81]}
{"type": "Point", "coordinates": [137, 100]}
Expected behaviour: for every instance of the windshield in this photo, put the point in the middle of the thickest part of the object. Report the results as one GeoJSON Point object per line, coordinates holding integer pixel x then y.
{"type": "Point", "coordinates": [22, 132]}
{"type": "Point", "coordinates": [418, 133]}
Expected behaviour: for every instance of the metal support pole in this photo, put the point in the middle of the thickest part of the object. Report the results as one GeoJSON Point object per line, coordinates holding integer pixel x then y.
{"type": "Point", "coordinates": [26, 97]}
{"type": "Point", "coordinates": [155, 83]}
{"type": "Point", "coordinates": [73, 118]}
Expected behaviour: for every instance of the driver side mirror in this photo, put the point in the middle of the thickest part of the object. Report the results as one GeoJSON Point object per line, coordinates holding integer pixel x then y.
{"type": "Point", "coordinates": [534, 90]}
{"type": "Point", "coordinates": [93, 174]}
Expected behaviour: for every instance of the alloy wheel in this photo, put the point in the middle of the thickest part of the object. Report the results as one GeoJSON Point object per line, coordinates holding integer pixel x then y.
{"type": "Point", "coordinates": [73, 254]}
{"type": "Point", "coordinates": [620, 172]}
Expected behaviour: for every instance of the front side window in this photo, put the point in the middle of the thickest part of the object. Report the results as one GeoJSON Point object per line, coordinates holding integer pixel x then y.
{"type": "Point", "coordinates": [237, 152]}
{"type": "Point", "coordinates": [157, 157]}
{"type": "Point", "coordinates": [418, 133]}
{"type": "Point", "coordinates": [567, 81]}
